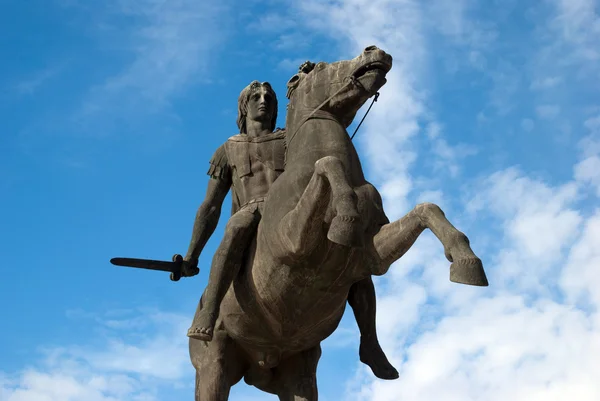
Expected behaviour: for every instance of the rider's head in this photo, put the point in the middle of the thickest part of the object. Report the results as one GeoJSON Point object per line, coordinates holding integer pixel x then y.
{"type": "Point", "coordinates": [258, 90]}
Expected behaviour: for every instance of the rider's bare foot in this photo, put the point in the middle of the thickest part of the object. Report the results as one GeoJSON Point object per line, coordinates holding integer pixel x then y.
{"type": "Point", "coordinates": [203, 326]}
{"type": "Point", "coordinates": [373, 356]}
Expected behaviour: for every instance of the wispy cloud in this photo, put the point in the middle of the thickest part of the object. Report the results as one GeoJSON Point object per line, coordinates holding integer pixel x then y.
{"type": "Point", "coordinates": [565, 60]}
{"type": "Point", "coordinates": [525, 336]}
{"type": "Point", "coordinates": [547, 111]}
{"type": "Point", "coordinates": [546, 83]}
{"type": "Point", "coordinates": [447, 157]}
{"type": "Point", "coordinates": [129, 364]}
{"type": "Point", "coordinates": [273, 22]}
{"type": "Point", "coordinates": [587, 171]}
{"type": "Point", "coordinates": [31, 84]}
{"type": "Point", "coordinates": [290, 65]}
{"type": "Point", "coordinates": [171, 46]}
{"type": "Point", "coordinates": [578, 25]}
{"type": "Point", "coordinates": [387, 135]}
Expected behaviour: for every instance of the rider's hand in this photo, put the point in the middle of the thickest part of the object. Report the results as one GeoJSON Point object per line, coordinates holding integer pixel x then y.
{"type": "Point", "coordinates": [189, 267]}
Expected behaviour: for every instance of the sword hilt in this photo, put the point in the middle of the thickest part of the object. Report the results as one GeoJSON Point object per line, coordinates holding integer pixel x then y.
{"type": "Point", "coordinates": [178, 259]}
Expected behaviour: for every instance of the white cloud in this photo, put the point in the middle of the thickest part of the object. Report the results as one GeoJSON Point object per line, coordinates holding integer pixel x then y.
{"type": "Point", "coordinates": [435, 196]}
{"type": "Point", "coordinates": [578, 24]}
{"type": "Point", "coordinates": [580, 278]}
{"type": "Point", "coordinates": [538, 223]}
{"type": "Point", "coordinates": [590, 144]}
{"type": "Point", "coordinates": [140, 355]}
{"type": "Point", "coordinates": [447, 157]}
{"type": "Point", "coordinates": [521, 338]}
{"type": "Point", "coordinates": [588, 171]}
{"type": "Point", "coordinates": [500, 349]}
{"type": "Point", "coordinates": [511, 340]}
{"type": "Point", "coordinates": [79, 385]}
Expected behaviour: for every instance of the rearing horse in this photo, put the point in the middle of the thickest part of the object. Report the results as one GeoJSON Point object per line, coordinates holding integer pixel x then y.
{"type": "Point", "coordinates": [323, 229]}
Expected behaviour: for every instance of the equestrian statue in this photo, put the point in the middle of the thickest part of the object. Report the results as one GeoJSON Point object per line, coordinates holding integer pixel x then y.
{"type": "Point", "coordinates": [306, 234]}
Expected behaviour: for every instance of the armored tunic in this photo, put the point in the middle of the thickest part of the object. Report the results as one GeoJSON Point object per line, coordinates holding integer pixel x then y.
{"type": "Point", "coordinates": [251, 163]}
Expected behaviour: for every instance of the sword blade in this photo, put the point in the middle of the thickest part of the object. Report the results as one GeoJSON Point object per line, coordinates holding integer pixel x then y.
{"type": "Point", "coordinates": [172, 267]}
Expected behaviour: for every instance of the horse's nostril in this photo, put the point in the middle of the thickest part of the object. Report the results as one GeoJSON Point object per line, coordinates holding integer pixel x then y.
{"type": "Point", "coordinates": [370, 48]}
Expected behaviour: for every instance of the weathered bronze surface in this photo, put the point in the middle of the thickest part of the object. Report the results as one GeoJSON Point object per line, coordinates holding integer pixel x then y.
{"type": "Point", "coordinates": [306, 234]}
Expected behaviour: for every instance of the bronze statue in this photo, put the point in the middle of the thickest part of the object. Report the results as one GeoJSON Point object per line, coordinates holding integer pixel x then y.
{"type": "Point", "coordinates": [248, 164]}
{"type": "Point", "coordinates": [322, 231]}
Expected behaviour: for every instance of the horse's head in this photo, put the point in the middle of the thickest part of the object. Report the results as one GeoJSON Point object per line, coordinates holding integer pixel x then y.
{"type": "Point", "coordinates": [344, 86]}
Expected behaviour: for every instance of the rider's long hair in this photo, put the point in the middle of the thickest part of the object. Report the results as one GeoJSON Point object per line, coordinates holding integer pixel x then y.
{"type": "Point", "coordinates": [243, 104]}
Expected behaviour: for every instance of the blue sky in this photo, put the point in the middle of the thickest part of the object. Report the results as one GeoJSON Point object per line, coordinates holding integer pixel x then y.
{"type": "Point", "coordinates": [111, 111]}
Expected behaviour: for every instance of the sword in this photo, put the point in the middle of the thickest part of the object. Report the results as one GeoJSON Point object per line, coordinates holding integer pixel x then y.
{"type": "Point", "coordinates": [175, 267]}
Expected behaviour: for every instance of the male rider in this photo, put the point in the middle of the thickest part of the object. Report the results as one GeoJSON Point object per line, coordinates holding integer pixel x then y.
{"type": "Point", "coordinates": [248, 164]}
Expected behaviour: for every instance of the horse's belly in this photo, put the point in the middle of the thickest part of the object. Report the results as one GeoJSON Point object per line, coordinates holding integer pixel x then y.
{"type": "Point", "coordinates": [281, 316]}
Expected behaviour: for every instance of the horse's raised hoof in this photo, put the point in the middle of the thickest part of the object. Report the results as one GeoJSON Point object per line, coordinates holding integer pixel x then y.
{"type": "Point", "coordinates": [200, 333]}
{"type": "Point", "coordinates": [468, 271]}
{"type": "Point", "coordinates": [346, 231]}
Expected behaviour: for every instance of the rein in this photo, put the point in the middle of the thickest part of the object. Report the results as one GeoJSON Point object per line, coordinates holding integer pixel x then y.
{"type": "Point", "coordinates": [351, 80]}
{"type": "Point", "coordinates": [365, 116]}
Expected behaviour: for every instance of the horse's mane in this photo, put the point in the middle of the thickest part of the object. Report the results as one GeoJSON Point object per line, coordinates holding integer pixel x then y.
{"type": "Point", "coordinates": [304, 69]}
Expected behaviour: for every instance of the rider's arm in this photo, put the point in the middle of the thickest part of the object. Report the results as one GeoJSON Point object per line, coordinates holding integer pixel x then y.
{"type": "Point", "coordinates": [209, 211]}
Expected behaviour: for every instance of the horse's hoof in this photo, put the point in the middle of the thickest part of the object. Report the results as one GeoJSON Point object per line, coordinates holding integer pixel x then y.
{"type": "Point", "coordinates": [346, 231]}
{"type": "Point", "coordinates": [468, 271]}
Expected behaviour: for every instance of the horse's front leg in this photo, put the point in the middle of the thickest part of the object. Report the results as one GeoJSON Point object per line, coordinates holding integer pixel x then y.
{"type": "Point", "coordinates": [301, 229]}
{"type": "Point", "coordinates": [219, 364]}
{"type": "Point", "coordinates": [346, 227]}
{"type": "Point", "coordinates": [394, 239]}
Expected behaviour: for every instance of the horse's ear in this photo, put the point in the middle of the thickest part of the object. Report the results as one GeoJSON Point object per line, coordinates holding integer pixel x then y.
{"type": "Point", "coordinates": [293, 84]}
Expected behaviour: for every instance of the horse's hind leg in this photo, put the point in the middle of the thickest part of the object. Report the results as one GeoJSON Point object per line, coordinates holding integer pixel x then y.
{"type": "Point", "coordinates": [299, 229]}
{"type": "Point", "coordinates": [295, 378]}
{"type": "Point", "coordinates": [219, 365]}
{"type": "Point", "coordinates": [394, 239]}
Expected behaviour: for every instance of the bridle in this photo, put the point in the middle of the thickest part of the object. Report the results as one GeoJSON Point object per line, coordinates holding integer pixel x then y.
{"type": "Point", "coordinates": [350, 80]}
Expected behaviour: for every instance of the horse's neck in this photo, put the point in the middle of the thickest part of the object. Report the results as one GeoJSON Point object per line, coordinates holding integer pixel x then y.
{"type": "Point", "coordinates": [317, 138]}
{"type": "Point", "coordinates": [292, 120]}
{"type": "Point", "coordinates": [321, 135]}
{"type": "Point", "coordinates": [297, 117]}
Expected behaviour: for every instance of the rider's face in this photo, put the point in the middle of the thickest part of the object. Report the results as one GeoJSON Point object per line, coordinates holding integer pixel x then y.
{"type": "Point", "coordinates": [261, 105]}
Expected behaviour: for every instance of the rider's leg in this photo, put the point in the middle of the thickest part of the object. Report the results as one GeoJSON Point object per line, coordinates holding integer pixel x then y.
{"type": "Point", "coordinates": [225, 266]}
{"type": "Point", "coordinates": [362, 300]}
